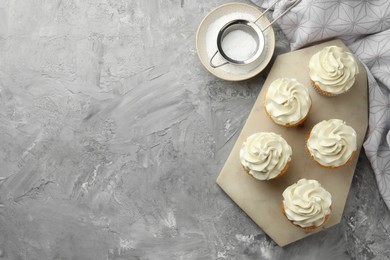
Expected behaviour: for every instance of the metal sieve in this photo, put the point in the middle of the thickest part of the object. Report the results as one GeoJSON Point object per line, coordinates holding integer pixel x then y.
{"type": "Point", "coordinates": [251, 28]}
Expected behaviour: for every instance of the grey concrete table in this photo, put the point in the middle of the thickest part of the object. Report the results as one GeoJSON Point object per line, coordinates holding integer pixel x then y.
{"type": "Point", "coordinates": [112, 135]}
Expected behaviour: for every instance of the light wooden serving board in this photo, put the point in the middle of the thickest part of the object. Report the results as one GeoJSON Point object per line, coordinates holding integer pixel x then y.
{"type": "Point", "coordinates": [262, 200]}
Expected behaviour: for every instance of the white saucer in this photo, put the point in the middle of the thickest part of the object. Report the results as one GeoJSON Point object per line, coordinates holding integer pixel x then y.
{"type": "Point", "coordinates": [206, 41]}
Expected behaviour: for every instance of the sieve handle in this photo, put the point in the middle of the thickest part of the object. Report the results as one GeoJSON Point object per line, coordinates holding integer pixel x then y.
{"type": "Point", "coordinates": [216, 66]}
{"type": "Point", "coordinates": [286, 11]}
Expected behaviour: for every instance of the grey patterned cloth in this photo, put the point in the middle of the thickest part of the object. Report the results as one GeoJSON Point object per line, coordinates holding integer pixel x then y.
{"type": "Point", "coordinates": [364, 26]}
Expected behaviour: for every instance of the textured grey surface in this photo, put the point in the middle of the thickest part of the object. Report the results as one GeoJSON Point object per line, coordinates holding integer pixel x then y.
{"type": "Point", "coordinates": [112, 135]}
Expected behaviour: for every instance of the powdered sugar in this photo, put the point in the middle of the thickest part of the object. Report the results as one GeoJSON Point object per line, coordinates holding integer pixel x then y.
{"type": "Point", "coordinates": [239, 45]}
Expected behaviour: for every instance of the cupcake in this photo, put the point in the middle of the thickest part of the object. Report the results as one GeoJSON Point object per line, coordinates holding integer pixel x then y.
{"type": "Point", "coordinates": [332, 71]}
{"type": "Point", "coordinates": [265, 156]}
{"type": "Point", "coordinates": [307, 204]}
{"type": "Point", "coordinates": [331, 143]}
{"type": "Point", "coordinates": [287, 102]}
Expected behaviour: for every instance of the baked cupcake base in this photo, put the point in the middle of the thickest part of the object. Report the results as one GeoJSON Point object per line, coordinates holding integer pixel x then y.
{"type": "Point", "coordinates": [332, 167]}
{"type": "Point", "coordinates": [282, 172]}
{"type": "Point", "coordinates": [323, 92]}
{"type": "Point", "coordinates": [288, 124]}
{"type": "Point", "coordinates": [309, 228]}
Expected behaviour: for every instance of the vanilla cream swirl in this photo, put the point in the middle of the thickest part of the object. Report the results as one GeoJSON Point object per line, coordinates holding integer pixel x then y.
{"type": "Point", "coordinates": [287, 101]}
{"type": "Point", "coordinates": [265, 155]}
{"type": "Point", "coordinates": [333, 69]}
{"type": "Point", "coordinates": [332, 142]}
{"type": "Point", "coordinates": [306, 203]}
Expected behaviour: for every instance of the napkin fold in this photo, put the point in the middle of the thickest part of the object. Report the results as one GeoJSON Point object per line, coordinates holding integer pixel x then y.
{"type": "Point", "coordinates": [364, 26]}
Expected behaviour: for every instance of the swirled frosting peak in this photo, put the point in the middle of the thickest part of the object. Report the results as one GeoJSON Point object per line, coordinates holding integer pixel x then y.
{"type": "Point", "coordinates": [332, 143]}
{"type": "Point", "coordinates": [287, 101]}
{"type": "Point", "coordinates": [265, 155]}
{"type": "Point", "coordinates": [333, 70]}
{"type": "Point", "coordinates": [306, 203]}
